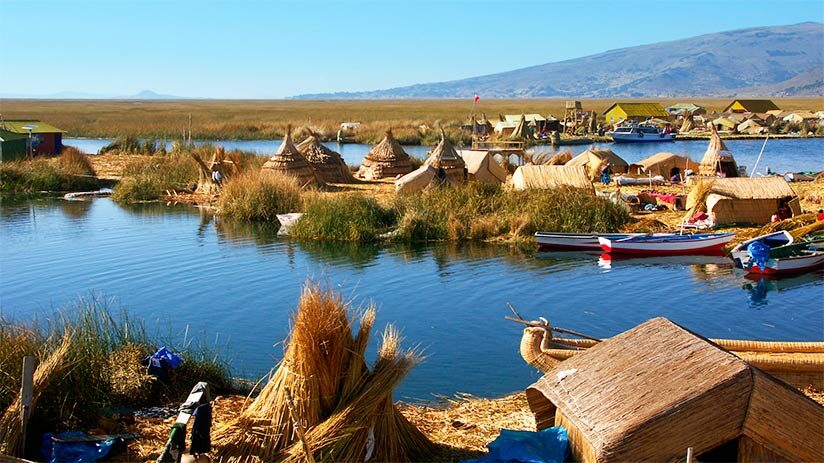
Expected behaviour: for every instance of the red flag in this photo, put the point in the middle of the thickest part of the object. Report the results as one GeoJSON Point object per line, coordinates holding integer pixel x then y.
{"type": "Point", "coordinates": [477, 98]}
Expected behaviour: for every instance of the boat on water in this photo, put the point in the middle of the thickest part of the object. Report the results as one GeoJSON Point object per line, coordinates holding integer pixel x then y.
{"type": "Point", "coordinates": [800, 364]}
{"type": "Point", "coordinates": [576, 241]}
{"type": "Point", "coordinates": [668, 244]}
{"type": "Point", "coordinates": [739, 253]}
{"type": "Point", "coordinates": [777, 254]}
{"type": "Point", "coordinates": [640, 134]}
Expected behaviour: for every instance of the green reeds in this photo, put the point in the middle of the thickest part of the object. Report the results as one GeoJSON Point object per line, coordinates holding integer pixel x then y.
{"type": "Point", "coordinates": [103, 352]}
{"type": "Point", "coordinates": [259, 196]}
{"type": "Point", "coordinates": [147, 179]}
{"type": "Point", "coordinates": [344, 217]}
{"type": "Point", "coordinates": [71, 171]}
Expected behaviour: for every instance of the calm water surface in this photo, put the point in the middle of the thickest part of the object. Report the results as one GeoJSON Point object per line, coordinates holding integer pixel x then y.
{"type": "Point", "coordinates": [176, 267]}
{"type": "Point", "coordinates": [781, 155]}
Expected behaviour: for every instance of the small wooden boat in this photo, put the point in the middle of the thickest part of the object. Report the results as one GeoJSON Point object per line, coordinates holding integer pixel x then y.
{"type": "Point", "coordinates": [800, 364]}
{"type": "Point", "coordinates": [668, 245]}
{"type": "Point", "coordinates": [576, 241]}
{"type": "Point", "coordinates": [640, 134]}
{"type": "Point", "coordinates": [800, 261]}
{"type": "Point", "coordinates": [739, 253]}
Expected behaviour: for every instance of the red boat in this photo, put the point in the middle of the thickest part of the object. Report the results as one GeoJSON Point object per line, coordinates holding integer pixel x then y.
{"type": "Point", "coordinates": [670, 245]}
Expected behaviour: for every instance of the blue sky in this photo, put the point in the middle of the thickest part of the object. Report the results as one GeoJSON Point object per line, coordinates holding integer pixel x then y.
{"type": "Point", "coordinates": [257, 49]}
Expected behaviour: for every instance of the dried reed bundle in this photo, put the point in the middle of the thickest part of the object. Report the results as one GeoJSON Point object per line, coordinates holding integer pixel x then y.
{"type": "Point", "coordinates": [336, 399]}
{"type": "Point", "coordinates": [10, 426]}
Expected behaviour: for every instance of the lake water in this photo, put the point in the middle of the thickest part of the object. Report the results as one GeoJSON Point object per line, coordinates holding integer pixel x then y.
{"type": "Point", "coordinates": [780, 155]}
{"type": "Point", "coordinates": [177, 267]}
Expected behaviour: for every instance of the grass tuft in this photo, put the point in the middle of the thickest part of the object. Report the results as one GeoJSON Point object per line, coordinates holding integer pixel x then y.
{"type": "Point", "coordinates": [345, 217]}
{"type": "Point", "coordinates": [147, 181]}
{"type": "Point", "coordinates": [259, 196]}
{"type": "Point", "coordinates": [71, 171]}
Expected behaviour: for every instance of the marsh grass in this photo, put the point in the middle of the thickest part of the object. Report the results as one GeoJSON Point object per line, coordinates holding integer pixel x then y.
{"type": "Point", "coordinates": [266, 119]}
{"type": "Point", "coordinates": [344, 217]}
{"type": "Point", "coordinates": [259, 196]}
{"type": "Point", "coordinates": [101, 369]}
{"type": "Point", "coordinates": [148, 180]}
{"type": "Point", "coordinates": [71, 171]}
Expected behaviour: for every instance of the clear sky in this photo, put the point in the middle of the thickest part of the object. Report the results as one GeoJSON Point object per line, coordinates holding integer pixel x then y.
{"type": "Point", "coordinates": [262, 49]}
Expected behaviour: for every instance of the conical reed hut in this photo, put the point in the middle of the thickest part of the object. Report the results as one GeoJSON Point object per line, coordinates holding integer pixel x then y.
{"type": "Point", "coordinates": [387, 159]}
{"type": "Point", "coordinates": [718, 159]}
{"type": "Point", "coordinates": [521, 131]}
{"type": "Point", "coordinates": [323, 398]}
{"type": "Point", "coordinates": [445, 158]}
{"type": "Point", "coordinates": [289, 161]}
{"type": "Point", "coordinates": [328, 164]}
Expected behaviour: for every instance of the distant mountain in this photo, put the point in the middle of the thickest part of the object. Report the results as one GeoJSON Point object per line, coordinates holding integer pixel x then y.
{"type": "Point", "coordinates": [762, 61]}
{"type": "Point", "coordinates": [142, 95]}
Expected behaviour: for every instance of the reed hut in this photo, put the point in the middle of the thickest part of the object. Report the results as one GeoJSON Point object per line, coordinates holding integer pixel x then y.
{"type": "Point", "coordinates": [664, 164]}
{"type": "Point", "coordinates": [742, 200]}
{"type": "Point", "coordinates": [289, 161]}
{"type": "Point", "coordinates": [445, 158]}
{"type": "Point", "coordinates": [687, 125]}
{"type": "Point", "coordinates": [481, 166]}
{"type": "Point", "coordinates": [420, 179]}
{"type": "Point", "coordinates": [328, 164]}
{"type": "Point", "coordinates": [521, 130]}
{"type": "Point", "coordinates": [718, 159]}
{"type": "Point", "coordinates": [653, 391]}
{"type": "Point", "coordinates": [545, 177]}
{"type": "Point", "coordinates": [387, 159]}
{"type": "Point", "coordinates": [751, 127]}
{"type": "Point", "coordinates": [594, 159]}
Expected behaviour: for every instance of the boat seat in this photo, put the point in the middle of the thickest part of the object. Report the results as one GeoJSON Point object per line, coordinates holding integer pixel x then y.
{"type": "Point", "coordinates": [789, 250]}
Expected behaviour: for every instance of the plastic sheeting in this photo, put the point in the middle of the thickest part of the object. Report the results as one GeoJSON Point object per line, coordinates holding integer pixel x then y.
{"type": "Point", "coordinates": [547, 446]}
{"type": "Point", "coordinates": [55, 450]}
{"type": "Point", "coordinates": [759, 252]}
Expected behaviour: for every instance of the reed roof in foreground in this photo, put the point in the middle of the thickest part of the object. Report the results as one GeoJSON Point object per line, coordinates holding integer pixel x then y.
{"type": "Point", "coordinates": [651, 392]}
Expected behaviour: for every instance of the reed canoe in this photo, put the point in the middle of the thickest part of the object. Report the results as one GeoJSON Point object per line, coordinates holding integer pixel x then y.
{"type": "Point", "coordinates": [800, 364]}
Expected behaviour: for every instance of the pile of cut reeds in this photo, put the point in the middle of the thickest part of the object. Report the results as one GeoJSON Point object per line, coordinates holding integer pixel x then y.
{"type": "Point", "coordinates": [324, 399]}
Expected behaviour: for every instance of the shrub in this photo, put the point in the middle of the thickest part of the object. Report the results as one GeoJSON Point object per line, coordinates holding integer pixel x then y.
{"type": "Point", "coordinates": [345, 217]}
{"type": "Point", "coordinates": [256, 195]}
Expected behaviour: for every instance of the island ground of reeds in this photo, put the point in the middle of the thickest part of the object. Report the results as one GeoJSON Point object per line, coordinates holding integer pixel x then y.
{"type": "Point", "coordinates": [413, 121]}
{"type": "Point", "coordinates": [71, 171]}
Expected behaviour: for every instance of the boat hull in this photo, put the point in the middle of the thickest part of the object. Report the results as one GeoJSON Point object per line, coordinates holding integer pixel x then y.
{"type": "Point", "coordinates": [789, 265]}
{"type": "Point", "coordinates": [739, 254]}
{"type": "Point", "coordinates": [667, 247]}
{"type": "Point", "coordinates": [634, 138]}
{"type": "Point", "coordinates": [575, 241]}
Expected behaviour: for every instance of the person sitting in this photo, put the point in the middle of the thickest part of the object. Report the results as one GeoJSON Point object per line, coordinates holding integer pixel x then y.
{"type": "Point", "coordinates": [784, 211]}
{"type": "Point", "coordinates": [820, 215]}
{"type": "Point", "coordinates": [605, 174]}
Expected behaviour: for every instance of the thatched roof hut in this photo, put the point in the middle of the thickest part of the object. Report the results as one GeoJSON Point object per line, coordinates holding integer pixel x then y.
{"type": "Point", "coordinates": [328, 164]}
{"type": "Point", "coordinates": [422, 178]}
{"type": "Point", "coordinates": [751, 127]}
{"type": "Point", "coordinates": [445, 157]}
{"type": "Point", "coordinates": [289, 161]}
{"type": "Point", "coordinates": [482, 167]}
{"type": "Point", "coordinates": [664, 164]}
{"type": "Point", "coordinates": [521, 130]}
{"type": "Point", "coordinates": [653, 391]}
{"type": "Point", "coordinates": [593, 159]}
{"type": "Point", "coordinates": [718, 158]}
{"type": "Point", "coordinates": [742, 200]}
{"type": "Point", "coordinates": [387, 159]}
{"type": "Point", "coordinates": [687, 124]}
{"type": "Point", "coordinates": [545, 177]}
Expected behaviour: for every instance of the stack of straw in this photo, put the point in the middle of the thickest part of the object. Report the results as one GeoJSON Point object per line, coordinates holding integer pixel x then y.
{"type": "Point", "coordinates": [11, 431]}
{"type": "Point", "coordinates": [343, 411]}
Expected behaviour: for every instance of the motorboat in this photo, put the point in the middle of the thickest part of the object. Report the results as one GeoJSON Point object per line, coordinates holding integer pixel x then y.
{"type": "Point", "coordinates": [640, 134]}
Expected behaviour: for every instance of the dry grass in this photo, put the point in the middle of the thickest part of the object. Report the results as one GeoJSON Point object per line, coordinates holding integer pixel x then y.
{"type": "Point", "coordinates": [262, 119]}
{"type": "Point", "coordinates": [258, 196]}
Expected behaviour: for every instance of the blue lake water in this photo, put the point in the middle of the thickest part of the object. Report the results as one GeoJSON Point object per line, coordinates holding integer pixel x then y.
{"type": "Point", "coordinates": [228, 282]}
{"type": "Point", "coordinates": [780, 155]}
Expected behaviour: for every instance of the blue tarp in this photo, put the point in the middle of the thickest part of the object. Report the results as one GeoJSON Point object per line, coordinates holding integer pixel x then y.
{"type": "Point", "coordinates": [164, 354]}
{"type": "Point", "coordinates": [74, 452]}
{"type": "Point", "coordinates": [547, 446]}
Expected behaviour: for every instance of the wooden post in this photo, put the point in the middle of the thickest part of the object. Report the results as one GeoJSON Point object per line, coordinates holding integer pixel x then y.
{"type": "Point", "coordinates": [689, 455]}
{"type": "Point", "coordinates": [26, 396]}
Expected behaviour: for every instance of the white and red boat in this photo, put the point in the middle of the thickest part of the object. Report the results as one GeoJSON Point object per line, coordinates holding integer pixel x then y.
{"type": "Point", "coordinates": [668, 245]}
{"type": "Point", "coordinates": [804, 261]}
{"type": "Point", "coordinates": [741, 257]}
{"type": "Point", "coordinates": [576, 241]}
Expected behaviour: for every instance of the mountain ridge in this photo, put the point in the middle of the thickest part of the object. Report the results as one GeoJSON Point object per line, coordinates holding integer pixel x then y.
{"type": "Point", "coordinates": [758, 61]}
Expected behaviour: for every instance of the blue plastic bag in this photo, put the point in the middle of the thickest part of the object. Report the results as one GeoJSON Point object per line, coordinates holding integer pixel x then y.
{"type": "Point", "coordinates": [759, 252]}
{"type": "Point", "coordinates": [168, 356]}
{"type": "Point", "coordinates": [547, 446]}
{"type": "Point", "coordinates": [74, 452]}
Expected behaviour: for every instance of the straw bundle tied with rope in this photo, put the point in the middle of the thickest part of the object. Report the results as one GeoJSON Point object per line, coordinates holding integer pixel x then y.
{"type": "Point", "coordinates": [11, 432]}
{"type": "Point", "coordinates": [344, 409]}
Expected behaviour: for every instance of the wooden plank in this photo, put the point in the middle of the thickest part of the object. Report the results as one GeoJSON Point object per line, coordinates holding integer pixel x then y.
{"type": "Point", "coordinates": [26, 394]}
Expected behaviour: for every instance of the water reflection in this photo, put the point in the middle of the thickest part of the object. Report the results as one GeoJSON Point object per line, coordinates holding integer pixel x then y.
{"type": "Point", "coordinates": [759, 286]}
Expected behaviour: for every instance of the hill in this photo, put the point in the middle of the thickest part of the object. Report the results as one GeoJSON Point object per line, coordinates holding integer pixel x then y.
{"type": "Point", "coordinates": [762, 61]}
